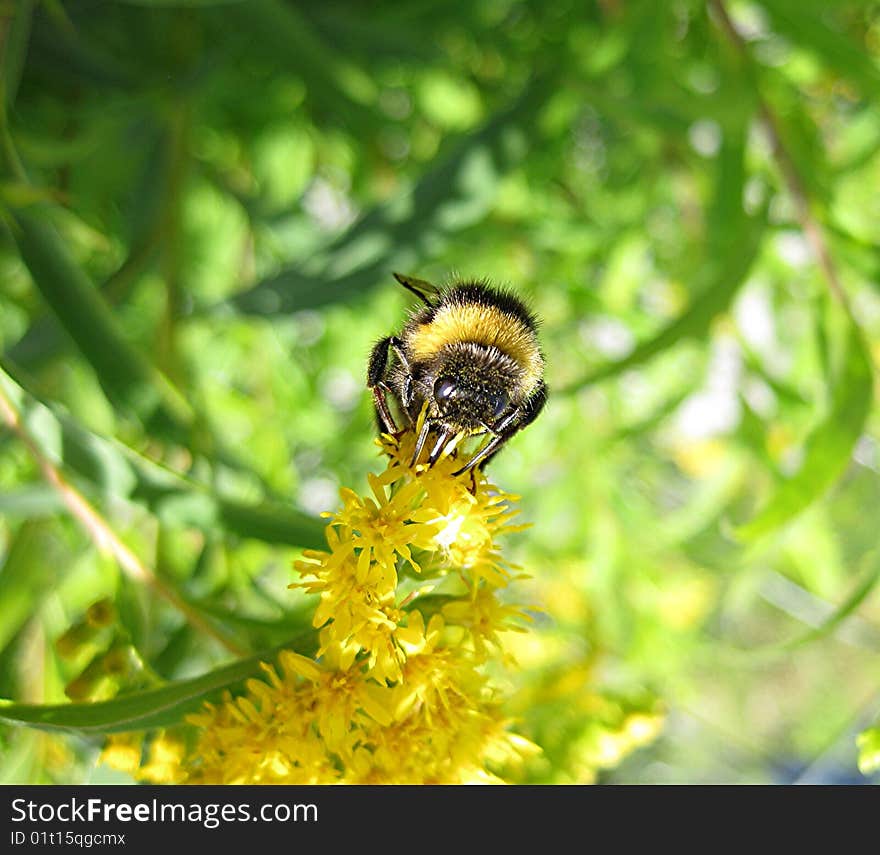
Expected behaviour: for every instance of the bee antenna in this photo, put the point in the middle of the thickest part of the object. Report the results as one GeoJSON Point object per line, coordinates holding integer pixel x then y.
{"type": "Point", "coordinates": [422, 289]}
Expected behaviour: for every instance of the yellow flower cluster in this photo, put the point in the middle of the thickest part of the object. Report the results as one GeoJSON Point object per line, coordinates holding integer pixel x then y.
{"type": "Point", "coordinates": [411, 604]}
{"type": "Point", "coordinates": [163, 765]}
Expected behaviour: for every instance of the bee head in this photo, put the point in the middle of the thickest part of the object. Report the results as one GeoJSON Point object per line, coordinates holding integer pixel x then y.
{"type": "Point", "coordinates": [473, 387]}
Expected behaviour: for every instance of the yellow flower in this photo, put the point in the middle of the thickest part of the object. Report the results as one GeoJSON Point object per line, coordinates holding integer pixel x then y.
{"type": "Point", "coordinates": [398, 690]}
{"type": "Point", "coordinates": [484, 616]}
{"type": "Point", "coordinates": [164, 766]}
{"type": "Point", "coordinates": [122, 751]}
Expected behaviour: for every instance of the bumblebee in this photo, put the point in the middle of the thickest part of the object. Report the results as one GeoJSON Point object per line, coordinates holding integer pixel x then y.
{"type": "Point", "coordinates": [470, 359]}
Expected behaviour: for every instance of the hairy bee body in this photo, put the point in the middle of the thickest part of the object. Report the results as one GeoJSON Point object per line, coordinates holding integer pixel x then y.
{"type": "Point", "coordinates": [469, 358]}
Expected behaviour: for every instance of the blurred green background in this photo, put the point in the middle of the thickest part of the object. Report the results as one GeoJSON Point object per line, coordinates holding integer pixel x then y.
{"type": "Point", "coordinates": [202, 205]}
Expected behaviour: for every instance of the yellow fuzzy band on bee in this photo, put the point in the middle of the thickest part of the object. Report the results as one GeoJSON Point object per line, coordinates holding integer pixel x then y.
{"type": "Point", "coordinates": [487, 325]}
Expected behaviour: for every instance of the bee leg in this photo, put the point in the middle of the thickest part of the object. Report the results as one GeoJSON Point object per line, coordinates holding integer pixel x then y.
{"type": "Point", "coordinates": [384, 419]}
{"type": "Point", "coordinates": [532, 408]}
{"type": "Point", "coordinates": [501, 429]}
{"type": "Point", "coordinates": [439, 446]}
{"type": "Point", "coordinates": [507, 427]}
{"type": "Point", "coordinates": [376, 383]}
{"type": "Point", "coordinates": [406, 394]}
{"type": "Point", "coordinates": [420, 441]}
{"type": "Point", "coordinates": [397, 346]}
{"type": "Point", "coordinates": [378, 362]}
{"type": "Point", "coordinates": [490, 448]}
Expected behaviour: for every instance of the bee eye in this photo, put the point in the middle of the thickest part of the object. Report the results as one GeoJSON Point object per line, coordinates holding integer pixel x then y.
{"type": "Point", "coordinates": [499, 403]}
{"type": "Point", "coordinates": [444, 389]}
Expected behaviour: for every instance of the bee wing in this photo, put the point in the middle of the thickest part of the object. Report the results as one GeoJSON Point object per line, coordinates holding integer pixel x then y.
{"type": "Point", "coordinates": [425, 291]}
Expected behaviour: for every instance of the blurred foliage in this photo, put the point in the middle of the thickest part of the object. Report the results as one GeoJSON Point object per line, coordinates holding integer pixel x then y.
{"type": "Point", "coordinates": [202, 204]}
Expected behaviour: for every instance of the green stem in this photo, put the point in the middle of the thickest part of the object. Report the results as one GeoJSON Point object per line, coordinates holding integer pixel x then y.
{"type": "Point", "coordinates": [785, 162]}
{"type": "Point", "coordinates": [103, 536]}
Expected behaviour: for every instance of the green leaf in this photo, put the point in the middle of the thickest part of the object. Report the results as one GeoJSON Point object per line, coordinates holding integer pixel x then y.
{"type": "Point", "coordinates": [28, 571]}
{"type": "Point", "coordinates": [801, 136]}
{"type": "Point", "coordinates": [397, 234]}
{"type": "Point", "coordinates": [58, 48]}
{"type": "Point", "coordinates": [15, 48]}
{"type": "Point", "coordinates": [271, 522]}
{"type": "Point", "coordinates": [151, 708]}
{"type": "Point", "coordinates": [19, 194]}
{"type": "Point", "coordinates": [828, 448]}
{"type": "Point", "coordinates": [22, 761]}
{"type": "Point", "coordinates": [734, 241]}
{"type": "Point", "coordinates": [44, 339]}
{"type": "Point", "coordinates": [849, 605]}
{"type": "Point", "coordinates": [36, 500]}
{"type": "Point", "coordinates": [177, 4]}
{"type": "Point", "coordinates": [868, 742]}
{"type": "Point", "coordinates": [804, 25]}
{"type": "Point", "coordinates": [331, 76]}
{"type": "Point", "coordinates": [119, 472]}
{"type": "Point", "coordinates": [126, 376]}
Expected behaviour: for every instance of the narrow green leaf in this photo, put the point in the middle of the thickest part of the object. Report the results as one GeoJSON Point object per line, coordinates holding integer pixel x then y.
{"type": "Point", "coordinates": [652, 421]}
{"type": "Point", "coordinates": [395, 235]}
{"type": "Point", "coordinates": [868, 742]}
{"type": "Point", "coordinates": [726, 221]}
{"type": "Point", "coordinates": [127, 377]}
{"type": "Point", "coordinates": [271, 523]}
{"type": "Point", "coordinates": [714, 298]}
{"type": "Point", "coordinates": [15, 48]}
{"type": "Point", "coordinates": [22, 761]}
{"type": "Point", "coordinates": [44, 340]}
{"type": "Point", "coordinates": [829, 447]}
{"type": "Point", "coordinates": [29, 569]}
{"type": "Point", "coordinates": [334, 83]}
{"type": "Point", "coordinates": [151, 708]}
{"type": "Point", "coordinates": [733, 247]}
{"type": "Point", "coordinates": [36, 500]}
{"type": "Point", "coordinates": [784, 391]}
{"type": "Point", "coordinates": [801, 136]}
{"type": "Point", "coordinates": [840, 614]}
{"type": "Point", "coordinates": [19, 194]}
{"type": "Point", "coordinates": [59, 49]}
{"type": "Point", "coordinates": [863, 589]}
{"type": "Point", "coordinates": [118, 471]}
{"type": "Point", "coordinates": [804, 25]}
{"type": "Point", "coordinates": [177, 4]}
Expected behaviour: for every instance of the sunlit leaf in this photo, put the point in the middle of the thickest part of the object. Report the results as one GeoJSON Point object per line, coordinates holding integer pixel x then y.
{"type": "Point", "coordinates": [861, 592]}
{"type": "Point", "coordinates": [869, 750]}
{"type": "Point", "coordinates": [125, 374]}
{"type": "Point", "coordinates": [396, 235]}
{"type": "Point", "coordinates": [118, 471]}
{"type": "Point", "coordinates": [285, 33]}
{"type": "Point", "coordinates": [827, 450]}
{"type": "Point", "coordinates": [839, 51]}
{"type": "Point", "coordinates": [736, 239]}
{"type": "Point", "coordinates": [30, 569]}
{"type": "Point", "coordinates": [151, 708]}
{"type": "Point", "coordinates": [30, 502]}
